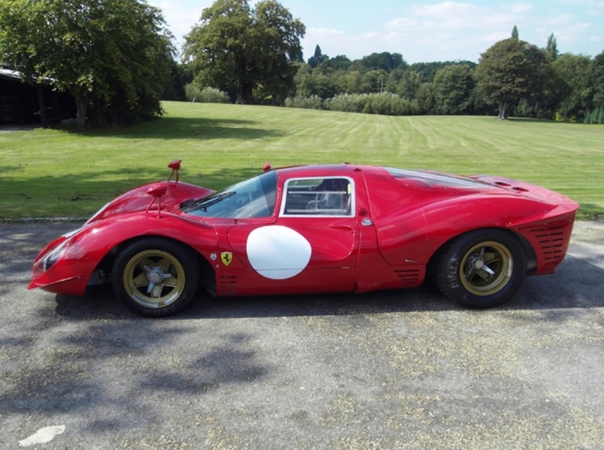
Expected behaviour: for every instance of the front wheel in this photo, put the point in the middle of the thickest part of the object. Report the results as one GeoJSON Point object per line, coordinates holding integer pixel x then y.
{"type": "Point", "coordinates": [481, 269]}
{"type": "Point", "coordinates": [155, 277]}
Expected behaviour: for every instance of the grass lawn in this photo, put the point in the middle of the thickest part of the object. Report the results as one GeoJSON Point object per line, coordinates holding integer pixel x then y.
{"type": "Point", "coordinates": [59, 173]}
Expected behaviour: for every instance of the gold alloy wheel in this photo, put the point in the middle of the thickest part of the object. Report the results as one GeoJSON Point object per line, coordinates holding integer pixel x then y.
{"type": "Point", "coordinates": [486, 268]}
{"type": "Point", "coordinates": [154, 278]}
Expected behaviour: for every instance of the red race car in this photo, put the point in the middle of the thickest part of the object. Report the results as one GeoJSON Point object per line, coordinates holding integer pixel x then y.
{"type": "Point", "coordinates": [311, 229]}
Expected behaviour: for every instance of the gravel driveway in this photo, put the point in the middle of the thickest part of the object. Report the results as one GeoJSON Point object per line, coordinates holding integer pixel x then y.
{"type": "Point", "coordinates": [391, 370]}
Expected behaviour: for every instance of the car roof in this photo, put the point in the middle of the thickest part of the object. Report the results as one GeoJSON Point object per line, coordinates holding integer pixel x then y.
{"type": "Point", "coordinates": [321, 170]}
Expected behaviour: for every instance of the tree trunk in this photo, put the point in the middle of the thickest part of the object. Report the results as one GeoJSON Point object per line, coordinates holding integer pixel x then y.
{"type": "Point", "coordinates": [565, 112]}
{"type": "Point", "coordinates": [502, 110]}
{"type": "Point", "coordinates": [241, 100]}
{"type": "Point", "coordinates": [244, 94]}
{"type": "Point", "coordinates": [81, 99]}
{"type": "Point", "coordinates": [41, 106]}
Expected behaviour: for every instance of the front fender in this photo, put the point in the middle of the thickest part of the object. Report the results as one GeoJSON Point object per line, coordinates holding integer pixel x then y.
{"type": "Point", "coordinates": [78, 255]}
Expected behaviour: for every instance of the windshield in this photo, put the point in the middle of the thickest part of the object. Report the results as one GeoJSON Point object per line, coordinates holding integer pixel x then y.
{"type": "Point", "coordinates": [250, 198]}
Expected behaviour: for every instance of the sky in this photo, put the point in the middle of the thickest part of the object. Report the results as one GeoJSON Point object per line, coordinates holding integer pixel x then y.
{"type": "Point", "coordinates": [424, 31]}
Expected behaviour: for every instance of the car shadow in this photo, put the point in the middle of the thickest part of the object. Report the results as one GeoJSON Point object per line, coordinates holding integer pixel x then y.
{"type": "Point", "coordinates": [576, 284]}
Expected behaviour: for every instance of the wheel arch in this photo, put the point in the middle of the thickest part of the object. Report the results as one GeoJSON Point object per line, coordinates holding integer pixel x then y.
{"type": "Point", "coordinates": [206, 271]}
{"type": "Point", "coordinates": [481, 268]}
{"type": "Point", "coordinates": [531, 257]}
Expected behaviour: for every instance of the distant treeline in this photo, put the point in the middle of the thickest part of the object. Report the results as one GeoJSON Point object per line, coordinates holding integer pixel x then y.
{"type": "Point", "coordinates": [570, 87]}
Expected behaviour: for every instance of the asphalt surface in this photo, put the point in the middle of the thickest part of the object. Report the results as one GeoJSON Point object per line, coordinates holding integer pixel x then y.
{"type": "Point", "coordinates": [386, 370]}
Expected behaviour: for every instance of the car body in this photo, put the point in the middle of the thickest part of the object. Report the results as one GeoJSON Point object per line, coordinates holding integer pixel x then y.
{"type": "Point", "coordinates": [314, 229]}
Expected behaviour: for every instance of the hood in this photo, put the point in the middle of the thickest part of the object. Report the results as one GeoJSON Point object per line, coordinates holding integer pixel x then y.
{"type": "Point", "coordinates": [139, 199]}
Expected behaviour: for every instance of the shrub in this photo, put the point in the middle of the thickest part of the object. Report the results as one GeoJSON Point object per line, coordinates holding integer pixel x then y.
{"type": "Point", "coordinates": [596, 116]}
{"type": "Point", "coordinates": [386, 104]}
{"type": "Point", "coordinates": [345, 103]}
{"type": "Point", "coordinates": [312, 102]}
{"type": "Point", "coordinates": [205, 95]}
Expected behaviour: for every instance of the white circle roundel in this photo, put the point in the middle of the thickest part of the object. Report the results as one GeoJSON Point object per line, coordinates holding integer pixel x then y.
{"type": "Point", "coordinates": [277, 252]}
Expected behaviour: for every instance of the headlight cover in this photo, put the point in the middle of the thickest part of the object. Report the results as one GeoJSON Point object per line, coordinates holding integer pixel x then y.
{"type": "Point", "coordinates": [54, 255]}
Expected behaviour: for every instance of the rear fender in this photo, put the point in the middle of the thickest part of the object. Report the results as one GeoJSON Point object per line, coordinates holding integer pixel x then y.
{"type": "Point", "coordinates": [421, 232]}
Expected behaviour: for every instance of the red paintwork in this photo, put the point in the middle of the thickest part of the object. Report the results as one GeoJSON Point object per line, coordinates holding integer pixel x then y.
{"type": "Point", "coordinates": [410, 220]}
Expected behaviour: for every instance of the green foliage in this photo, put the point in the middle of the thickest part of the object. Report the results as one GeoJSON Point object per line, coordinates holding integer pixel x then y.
{"type": "Point", "coordinates": [347, 103]}
{"type": "Point", "coordinates": [425, 98]}
{"type": "Point", "coordinates": [452, 88]}
{"type": "Point", "coordinates": [111, 54]}
{"type": "Point", "coordinates": [428, 70]}
{"type": "Point", "coordinates": [340, 62]}
{"type": "Point", "coordinates": [515, 34]}
{"type": "Point", "coordinates": [175, 85]}
{"type": "Point", "coordinates": [206, 95]}
{"type": "Point", "coordinates": [317, 58]}
{"type": "Point", "coordinates": [509, 71]}
{"type": "Point", "coordinates": [386, 103]}
{"type": "Point", "coordinates": [310, 83]}
{"type": "Point", "coordinates": [236, 47]}
{"type": "Point", "coordinates": [595, 117]}
{"type": "Point", "coordinates": [384, 61]}
{"type": "Point", "coordinates": [312, 102]}
{"type": "Point", "coordinates": [575, 90]}
{"type": "Point", "coordinates": [374, 81]}
{"type": "Point", "coordinates": [551, 48]}
{"type": "Point", "coordinates": [405, 83]}
{"type": "Point", "coordinates": [386, 73]}
{"type": "Point", "coordinates": [597, 80]}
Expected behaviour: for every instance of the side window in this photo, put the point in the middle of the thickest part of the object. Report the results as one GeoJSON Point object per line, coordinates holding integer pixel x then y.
{"type": "Point", "coordinates": [318, 197]}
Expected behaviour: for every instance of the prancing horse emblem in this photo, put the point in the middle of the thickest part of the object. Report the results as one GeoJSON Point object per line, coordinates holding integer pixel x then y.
{"type": "Point", "coordinates": [226, 258]}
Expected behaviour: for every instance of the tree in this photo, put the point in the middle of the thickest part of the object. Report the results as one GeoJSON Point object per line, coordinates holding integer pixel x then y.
{"type": "Point", "coordinates": [575, 92]}
{"type": "Point", "coordinates": [508, 71]}
{"type": "Point", "coordinates": [515, 34]}
{"type": "Point", "coordinates": [374, 81]}
{"type": "Point", "coordinates": [428, 70]}
{"type": "Point", "coordinates": [384, 61]}
{"type": "Point", "coordinates": [452, 89]}
{"type": "Point", "coordinates": [408, 84]}
{"type": "Point", "coordinates": [425, 98]}
{"type": "Point", "coordinates": [314, 83]}
{"type": "Point", "coordinates": [551, 48]}
{"type": "Point", "coordinates": [236, 47]}
{"type": "Point", "coordinates": [317, 58]}
{"type": "Point", "coordinates": [340, 62]}
{"type": "Point", "coordinates": [93, 49]}
{"type": "Point", "coordinates": [597, 80]}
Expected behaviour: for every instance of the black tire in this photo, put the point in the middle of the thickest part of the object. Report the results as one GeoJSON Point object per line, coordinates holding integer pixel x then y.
{"type": "Point", "coordinates": [482, 268]}
{"type": "Point", "coordinates": [155, 277]}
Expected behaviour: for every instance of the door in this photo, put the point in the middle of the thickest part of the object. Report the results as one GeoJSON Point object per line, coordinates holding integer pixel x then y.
{"type": "Point", "coordinates": [313, 245]}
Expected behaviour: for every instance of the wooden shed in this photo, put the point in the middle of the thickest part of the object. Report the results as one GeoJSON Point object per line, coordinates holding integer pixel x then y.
{"type": "Point", "coordinates": [22, 103]}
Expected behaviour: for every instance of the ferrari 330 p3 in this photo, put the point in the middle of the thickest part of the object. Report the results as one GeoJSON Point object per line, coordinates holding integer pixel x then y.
{"type": "Point", "coordinates": [314, 229]}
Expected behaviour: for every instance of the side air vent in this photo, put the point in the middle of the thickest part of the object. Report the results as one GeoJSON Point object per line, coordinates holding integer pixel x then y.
{"type": "Point", "coordinates": [550, 241]}
{"type": "Point", "coordinates": [409, 277]}
{"type": "Point", "coordinates": [227, 285]}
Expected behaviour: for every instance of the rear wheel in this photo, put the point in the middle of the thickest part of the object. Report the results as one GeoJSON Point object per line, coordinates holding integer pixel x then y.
{"type": "Point", "coordinates": [155, 277]}
{"type": "Point", "coordinates": [482, 268]}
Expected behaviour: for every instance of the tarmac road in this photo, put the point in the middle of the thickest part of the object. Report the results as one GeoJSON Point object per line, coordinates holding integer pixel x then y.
{"type": "Point", "coordinates": [391, 370]}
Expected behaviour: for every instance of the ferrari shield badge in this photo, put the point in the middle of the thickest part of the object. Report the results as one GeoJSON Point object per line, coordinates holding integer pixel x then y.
{"type": "Point", "coordinates": [226, 258]}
